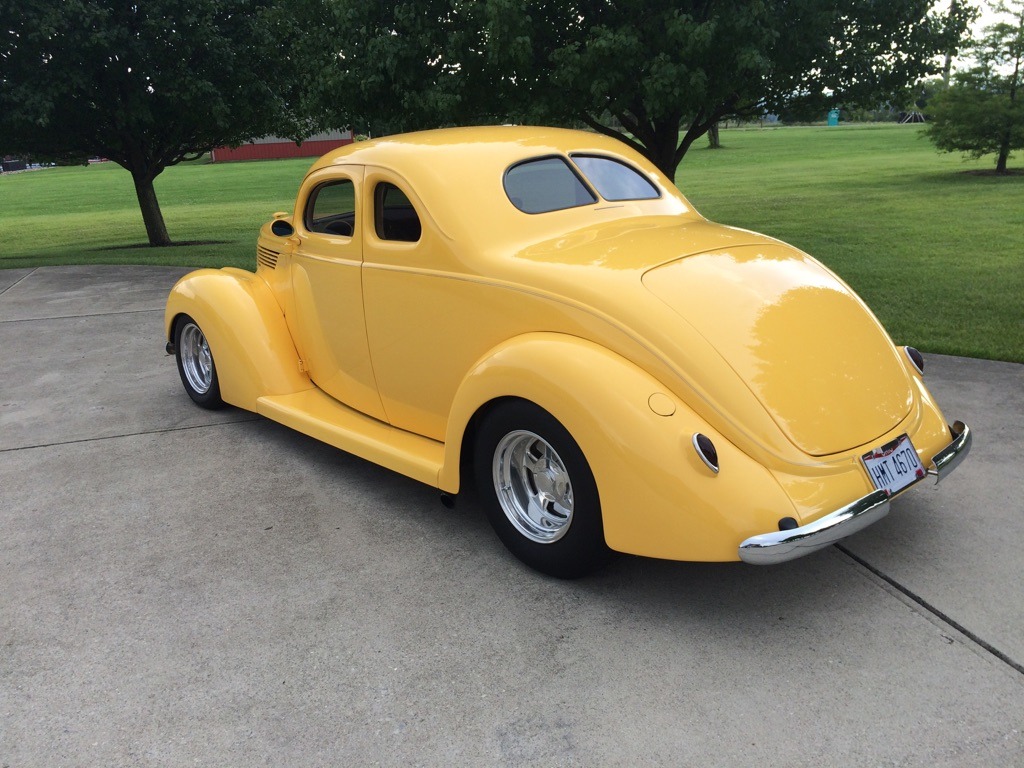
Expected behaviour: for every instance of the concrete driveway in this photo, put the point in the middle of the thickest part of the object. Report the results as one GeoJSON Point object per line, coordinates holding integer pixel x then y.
{"type": "Point", "coordinates": [182, 587]}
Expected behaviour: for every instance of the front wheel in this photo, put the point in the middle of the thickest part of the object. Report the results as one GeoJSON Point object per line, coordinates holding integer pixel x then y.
{"type": "Point", "coordinates": [195, 364]}
{"type": "Point", "coordinates": [538, 491]}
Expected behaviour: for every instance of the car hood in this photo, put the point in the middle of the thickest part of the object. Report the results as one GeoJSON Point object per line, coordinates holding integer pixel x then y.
{"type": "Point", "coordinates": [803, 343]}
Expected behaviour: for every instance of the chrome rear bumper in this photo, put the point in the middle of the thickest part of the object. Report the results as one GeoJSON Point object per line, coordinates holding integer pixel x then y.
{"type": "Point", "coordinates": [780, 546]}
{"type": "Point", "coordinates": [949, 458]}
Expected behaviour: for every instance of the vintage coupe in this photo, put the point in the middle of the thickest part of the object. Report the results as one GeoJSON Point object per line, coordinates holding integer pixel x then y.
{"type": "Point", "coordinates": [542, 309]}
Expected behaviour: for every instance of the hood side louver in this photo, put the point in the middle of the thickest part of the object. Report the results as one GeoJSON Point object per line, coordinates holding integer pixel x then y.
{"type": "Point", "coordinates": [266, 257]}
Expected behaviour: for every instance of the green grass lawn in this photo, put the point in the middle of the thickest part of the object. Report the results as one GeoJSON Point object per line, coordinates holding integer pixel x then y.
{"type": "Point", "coordinates": [937, 252]}
{"type": "Point", "coordinates": [88, 215]}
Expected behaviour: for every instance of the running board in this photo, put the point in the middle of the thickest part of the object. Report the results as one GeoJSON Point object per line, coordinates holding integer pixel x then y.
{"type": "Point", "coordinates": [313, 413]}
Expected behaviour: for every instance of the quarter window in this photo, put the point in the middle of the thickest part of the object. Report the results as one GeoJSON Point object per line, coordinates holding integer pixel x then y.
{"type": "Point", "coordinates": [394, 217]}
{"type": "Point", "coordinates": [546, 184]}
{"type": "Point", "coordinates": [614, 180]}
{"type": "Point", "coordinates": [331, 209]}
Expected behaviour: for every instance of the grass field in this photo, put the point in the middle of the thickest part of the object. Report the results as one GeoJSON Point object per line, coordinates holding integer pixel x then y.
{"type": "Point", "coordinates": [935, 250]}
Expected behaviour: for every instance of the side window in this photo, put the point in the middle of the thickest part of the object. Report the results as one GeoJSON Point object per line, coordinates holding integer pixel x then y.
{"type": "Point", "coordinates": [614, 180]}
{"type": "Point", "coordinates": [394, 218]}
{"type": "Point", "coordinates": [545, 184]}
{"type": "Point", "coordinates": [331, 209]}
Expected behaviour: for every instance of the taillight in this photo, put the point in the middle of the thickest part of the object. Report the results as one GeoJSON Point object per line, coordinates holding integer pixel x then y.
{"type": "Point", "coordinates": [916, 358]}
{"type": "Point", "coordinates": [706, 450]}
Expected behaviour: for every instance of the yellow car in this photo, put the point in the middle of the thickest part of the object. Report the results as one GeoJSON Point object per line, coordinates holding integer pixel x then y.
{"type": "Point", "coordinates": [543, 311]}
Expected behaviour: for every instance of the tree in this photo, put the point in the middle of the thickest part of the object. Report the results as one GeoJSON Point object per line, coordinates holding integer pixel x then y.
{"type": "Point", "coordinates": [663, 70]}
{"type": "Point", "coordinates": [404, 65]}
{"type": "Point", "coordinates": [146, 85]}
{"type": "Point", "coordinates": [983, 112]}
{"type": "Point", "coordinates": [956, 8]}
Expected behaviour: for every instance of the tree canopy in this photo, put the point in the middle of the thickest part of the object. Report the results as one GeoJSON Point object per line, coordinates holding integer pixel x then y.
{"type": "Point", "coordinates": [145, 84]}
{"type": "Point", "coordinates": [982, 112]}
{"type": "Point", "coordinates": [656, 74]}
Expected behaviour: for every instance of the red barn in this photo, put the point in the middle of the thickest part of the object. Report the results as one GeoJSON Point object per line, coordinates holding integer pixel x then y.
{"type": "Point", "coordinates": [275, 148]}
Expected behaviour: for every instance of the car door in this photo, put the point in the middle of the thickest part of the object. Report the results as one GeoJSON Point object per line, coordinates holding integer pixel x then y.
{"type": "Point", "coordinates": [427, 323]}
{"type": "Point", "coordinates": [406, 307]}
{"type": "Point", "coordinates": [328, 321]}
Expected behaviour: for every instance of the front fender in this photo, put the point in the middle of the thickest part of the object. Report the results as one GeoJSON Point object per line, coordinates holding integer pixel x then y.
{"type": "Point", "coordinates": [246, 330]}
{"type": "Point", "coordinates": [658, 499]}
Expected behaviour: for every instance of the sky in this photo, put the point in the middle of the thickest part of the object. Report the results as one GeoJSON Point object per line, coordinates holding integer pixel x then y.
{"type": "Point", "coordinates": [987, 17]}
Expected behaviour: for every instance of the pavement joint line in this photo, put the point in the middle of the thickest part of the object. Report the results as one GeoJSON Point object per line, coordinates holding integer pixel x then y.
{"type": "Point", "coordinates": [73, 317]}
{"type": "Point", "coordinates": [19, 282]}
{"type": "Point", "coordinates": [130, 434]}
{"type": "Point", "coordinates": [942, 616]}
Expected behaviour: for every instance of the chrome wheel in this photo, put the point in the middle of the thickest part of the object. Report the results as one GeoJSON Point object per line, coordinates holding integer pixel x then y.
{"type": "Point", "coordinates": [196, 365]}
{"type": "Point", "coordinates": [196, 360]}
{"type": "Point", "coordinates": [533, 486]}
{"type": "Point", "coordinates": [538, 490]}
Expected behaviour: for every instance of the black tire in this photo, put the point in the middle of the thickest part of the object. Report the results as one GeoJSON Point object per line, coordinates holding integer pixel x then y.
{"type": "Point", "coordinates": [549, 519]}
{"type": "Point", "coordinates": [195, 364]}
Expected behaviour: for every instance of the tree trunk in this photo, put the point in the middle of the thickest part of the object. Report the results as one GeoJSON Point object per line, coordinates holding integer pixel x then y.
{"type": "Point", "coordinates": [662, 152]}
{"type": "Point", "coordinates": [659, 141]}
{"type": "Point", "coordinates": [1004, 153]}
{"type": "Point", "coordinates": [947, 67]}
{"type": "Point", "coordinates": [713, 141]}
{"type": "Point", "coordinates": [1004, 145]}
{"type": "Point", "coordinates": [156, 230]}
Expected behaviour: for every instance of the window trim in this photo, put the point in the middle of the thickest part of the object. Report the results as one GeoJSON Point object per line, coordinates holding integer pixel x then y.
{"type": "Point", "coordinates": [630, 166]}
{"type": "Point", "coordinates": [565, 159]}
{"type": "Point", "coordinates": [307, 215]}
{"type": "Point", "coordinates": [380, 189]}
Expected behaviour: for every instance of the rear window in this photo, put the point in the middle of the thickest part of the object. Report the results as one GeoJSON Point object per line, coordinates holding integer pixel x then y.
{"type": "Point", "coordinates": [615, 180]}
{"type": "Point", "coordinates": [546, 184]}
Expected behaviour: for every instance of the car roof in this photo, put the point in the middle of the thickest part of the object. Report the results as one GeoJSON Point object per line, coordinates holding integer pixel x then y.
{"type": "Point", "coordinates": [503, 143]}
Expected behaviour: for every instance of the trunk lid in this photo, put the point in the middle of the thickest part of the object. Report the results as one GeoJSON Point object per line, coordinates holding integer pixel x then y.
{"type": "Point", "coordinates": [802, 342]}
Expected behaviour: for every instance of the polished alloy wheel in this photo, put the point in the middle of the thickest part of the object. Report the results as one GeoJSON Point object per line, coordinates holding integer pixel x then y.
{"type": "Point", "coordinates": [533, 486]}
{"type": "Point", "coordinates": [196, 360]}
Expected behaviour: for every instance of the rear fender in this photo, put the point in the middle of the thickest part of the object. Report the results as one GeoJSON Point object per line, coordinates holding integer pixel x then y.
{"type": "Point", "coordinates": [246, 330]}
{"type": "Point", "coordinates": [657, 497]}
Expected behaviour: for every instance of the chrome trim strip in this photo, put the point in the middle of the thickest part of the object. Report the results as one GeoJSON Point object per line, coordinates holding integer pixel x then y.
{"type": "Point", "coordinates": [949, 458]}
{"type": "Point", "coordinates": [780, 546]}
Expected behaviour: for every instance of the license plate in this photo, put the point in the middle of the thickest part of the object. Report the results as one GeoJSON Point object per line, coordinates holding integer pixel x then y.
{"type": "Point", "coordinates": [894, 466]}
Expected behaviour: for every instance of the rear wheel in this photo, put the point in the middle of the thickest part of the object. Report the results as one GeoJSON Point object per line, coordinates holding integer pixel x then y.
{"type": "Point", "coordinates": [195, 364]}
{"type": "Point", "coordinates": [539, 492]}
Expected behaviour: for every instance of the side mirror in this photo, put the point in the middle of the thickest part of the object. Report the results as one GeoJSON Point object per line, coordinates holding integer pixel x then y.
{"type": "Point", "coordinates": [282, 228]}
